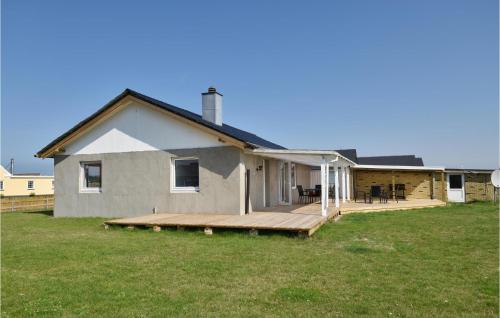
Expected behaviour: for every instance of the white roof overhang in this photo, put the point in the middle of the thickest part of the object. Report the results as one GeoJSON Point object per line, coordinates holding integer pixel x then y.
{"type": "Point", "coordinates": [411, 168]}
{"type": "Point", "coordinates": [306, 157]}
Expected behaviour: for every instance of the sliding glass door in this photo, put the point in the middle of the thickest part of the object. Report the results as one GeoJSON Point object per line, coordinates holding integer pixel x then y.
{"type": "Point", "coordinates": [285, 186]}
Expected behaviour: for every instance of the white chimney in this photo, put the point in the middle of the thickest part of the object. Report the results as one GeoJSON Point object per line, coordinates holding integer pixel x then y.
{"type": "Point", "coordinates": [211, 102]}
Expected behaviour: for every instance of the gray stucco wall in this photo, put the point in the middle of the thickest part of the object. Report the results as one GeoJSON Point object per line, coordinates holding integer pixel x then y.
{"type": "Point", "coordinates": [273, 176]}
{"type": "Point", "coordinates": [133, 183]}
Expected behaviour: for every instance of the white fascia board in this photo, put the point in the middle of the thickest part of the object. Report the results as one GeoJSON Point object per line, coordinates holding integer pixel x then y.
{"type": "Point", "coordinates": [318, 154]}
{"type": "Point", "coordinates": [475, 171]}
{"type": "Point", "coordinates": [31, 177]}
{"type": "Point", "coordinates": [5, 171]}
{"type": "Point", "coordinates": [415, 168]}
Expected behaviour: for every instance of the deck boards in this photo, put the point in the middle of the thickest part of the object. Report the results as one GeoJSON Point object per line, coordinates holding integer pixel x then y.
{"type": "Point", "coordinates": [256, 220]}
{"type": "Point", "coordinates": [295, 218]}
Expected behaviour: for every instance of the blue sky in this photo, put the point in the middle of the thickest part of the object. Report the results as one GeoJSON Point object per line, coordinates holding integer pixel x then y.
{"type": "Point", "coordinates": [385, 77]}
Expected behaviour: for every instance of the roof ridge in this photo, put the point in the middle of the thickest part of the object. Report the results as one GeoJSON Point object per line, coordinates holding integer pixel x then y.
{"type": "Point", "coordinates": [244, 136]}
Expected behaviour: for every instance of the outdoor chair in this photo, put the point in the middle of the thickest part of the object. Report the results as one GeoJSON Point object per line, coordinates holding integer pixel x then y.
{"type": "Point", "coordinates": [331, 192]}
{"type": "Point", "coordinates": [399, 192]}
{"type": "Point", "coordinates": [302, 195]}
{"type": "Point", "coordinates": [317, 190]}
{"type": "Point", "coordinates": [384, 196]}
{"type": "Point", "coordinates": [377, 192]}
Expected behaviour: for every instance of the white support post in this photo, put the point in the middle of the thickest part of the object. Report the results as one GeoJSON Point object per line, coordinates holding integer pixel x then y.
{"type": "Point", "coordinates": [337, 203]}
{"type": "Point", "coordinates": [348, 176]}
{"type": "Point", "coordinates": [323, 203]}
{"type": "Point", "coordinates": [327, 184]}
{"type": "Point", "coordinates": [289, 185]}
{"type": "Point", "coordinates": [343, 185]}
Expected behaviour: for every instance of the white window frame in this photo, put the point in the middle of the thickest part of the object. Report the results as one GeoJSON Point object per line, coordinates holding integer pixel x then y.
{"type": "Point", "coordinates": [32, 185]}
{"type": "Point", "coordinates": [173, 188]}
{"type": "Point", "coordinates": [293, 178]}
{"type": "Point", "coordinates": [83, 187]}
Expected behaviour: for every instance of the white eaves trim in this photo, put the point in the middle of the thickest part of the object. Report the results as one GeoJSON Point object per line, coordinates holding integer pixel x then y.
{"type": "Point", "coordinates": [30, 177]}
{"type": "Point", "coordinates": [308, 157]}
{"type": "Point", "coordinates": [414, 168]}
{"type": "Point", "coordinates": [5, 171]}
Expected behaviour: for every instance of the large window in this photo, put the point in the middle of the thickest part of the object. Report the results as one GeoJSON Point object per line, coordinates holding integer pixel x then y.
{"type": "Point", "coordinates": [455, 181]}
{"type": "Point", "coordinates": [293, 176]}
{"type": "Point", "coordinates": [186, 176]}
{"type": "Point", "coordinates": [31, 184]}
{"type": "Point", "coordinates": [91, 176]}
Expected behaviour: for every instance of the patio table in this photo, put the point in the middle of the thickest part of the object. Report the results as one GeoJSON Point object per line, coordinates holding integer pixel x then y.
{"type": "Point", "coordinates": [310, 193]}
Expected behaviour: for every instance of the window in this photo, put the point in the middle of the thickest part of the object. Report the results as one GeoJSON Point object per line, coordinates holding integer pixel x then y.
{"type": "Point", "coordinates": [52, 184]}
{"type": "Point", "coordinates": [455, 181]}
{"type": "Point", "coordinates": [1, 185]}
{"type": "Point", "coordinates": [31, 185]}
{"type": "Point", "coordinates": [293, 175]}
{"type": "Point", "coordinates": [331, 178]}
{"type": "Point", "coordinates": [185, 174]}
{"type": "Point", "coordinates": [91, 176]}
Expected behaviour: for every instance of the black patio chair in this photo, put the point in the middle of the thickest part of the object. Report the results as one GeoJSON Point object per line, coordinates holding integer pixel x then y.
{"type": "Point", "coordinates": [378, 192]}
{"type": "Point", "coordinates": [384, 196]}
{"type": "Point", "coordinates": [302, 195]}
{"type": "Point", "coordinates": [399, 192]}
{"type": "Point", "coordinates": [361, 195]}
{"type": "Point", "coordinates": [317, 190]}
{"type": "Point", "coordinates": [331, 192]}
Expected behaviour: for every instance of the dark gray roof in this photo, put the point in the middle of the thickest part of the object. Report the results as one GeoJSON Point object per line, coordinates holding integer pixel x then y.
{"type": "Point", "coordinates": [350, 154]}
{"type": "Point", "coordinates": [241, 135]}
{"type": "Point", "coordinates": [406, 160]}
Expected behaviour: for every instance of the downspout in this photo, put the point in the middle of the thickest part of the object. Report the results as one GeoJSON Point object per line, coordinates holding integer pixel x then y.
{"type": "Point", "coordinates": [247, 191]}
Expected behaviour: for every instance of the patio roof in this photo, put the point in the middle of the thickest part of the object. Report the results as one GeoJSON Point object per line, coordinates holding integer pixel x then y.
{"type": "Point", "coordinates": [409, 168]}
{"type": "Point", "coordinates": [322, 158]}
{"type": "Point", "coordinates": [306, 157]}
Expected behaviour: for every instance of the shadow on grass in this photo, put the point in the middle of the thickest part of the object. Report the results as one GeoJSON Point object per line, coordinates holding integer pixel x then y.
{"type": "Point", "coordinates": [218, 232]}
{"type": "Point", "coordinates": [44, 212]}
{"type": "Point", "coordinates": [358, 249]}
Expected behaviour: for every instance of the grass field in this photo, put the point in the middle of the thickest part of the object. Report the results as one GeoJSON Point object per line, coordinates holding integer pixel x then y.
{"type": "Point", "coordinates": [421, 263]}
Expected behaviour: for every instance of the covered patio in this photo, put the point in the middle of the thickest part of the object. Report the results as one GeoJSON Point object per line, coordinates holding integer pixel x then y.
{"type": "Point", "coordinates": [327, 160]}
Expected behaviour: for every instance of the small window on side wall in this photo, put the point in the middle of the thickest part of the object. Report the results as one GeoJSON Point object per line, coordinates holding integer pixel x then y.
{"type": "Point", "coordinates": [185, 174]}
{"type": "Point", "coordinates": [1, 185]}
{"type": "Point", "coordinates": [91, 176]}
{"type": "Point", "coordinates": [31, 184]}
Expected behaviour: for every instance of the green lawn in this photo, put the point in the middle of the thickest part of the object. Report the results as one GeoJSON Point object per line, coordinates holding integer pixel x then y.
{"type": "Point", "coordinates": [421, 263]}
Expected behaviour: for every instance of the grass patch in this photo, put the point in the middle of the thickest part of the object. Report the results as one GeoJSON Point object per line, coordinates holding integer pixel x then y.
{"type": "Point", "coordinates": [298, 294]}
{"type": "Point", "coordinates": [429, 262]}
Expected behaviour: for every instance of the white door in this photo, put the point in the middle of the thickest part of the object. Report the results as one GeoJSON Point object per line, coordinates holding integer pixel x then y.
{"type": "Point", "coordinates": [284, 184]}
{"type": "Point", "coordinates": [456, 191]}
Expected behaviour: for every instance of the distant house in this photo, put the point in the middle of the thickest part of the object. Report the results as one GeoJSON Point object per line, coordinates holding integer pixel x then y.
{"type": "Point", "coordinates": [25, 184]}
{"type": "Point", "coordinates": [139, 155]}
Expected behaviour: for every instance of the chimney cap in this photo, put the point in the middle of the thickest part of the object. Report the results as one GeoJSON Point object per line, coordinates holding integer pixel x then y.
{"type": "Point", "coordinates": [212, 90]}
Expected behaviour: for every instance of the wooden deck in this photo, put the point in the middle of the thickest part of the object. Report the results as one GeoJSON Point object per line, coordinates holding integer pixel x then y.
{"type": "Point", "coordinates": [301, 223]}
{"type": "Point", "coordinates": [351, 207]}
{"type": "Point", "coordinates": [300, 219]}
